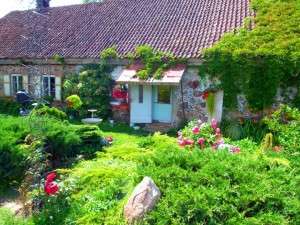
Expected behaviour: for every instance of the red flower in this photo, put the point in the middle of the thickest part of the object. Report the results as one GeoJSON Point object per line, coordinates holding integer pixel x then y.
{"type": "Point", "coordinates": [196, 130]}
{"type": "Point", "coordinates": [50, 177]}
{"type": "Point", "coordinates": [205, 95]}
{"type": "Point", "coordinates": [51, 188]}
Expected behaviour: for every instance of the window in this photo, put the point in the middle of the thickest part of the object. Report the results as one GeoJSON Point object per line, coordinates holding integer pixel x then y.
{"type": "Point", "coordinates": [164, 94]}
{"type": "Point", "coordinates": [141, 93]}
{"type": "Point", "coordinates": [16, 83]}
{"type": "Point", "coordinates": [49, 86]}
{"type": "Point", "coordinates": [1, 85]}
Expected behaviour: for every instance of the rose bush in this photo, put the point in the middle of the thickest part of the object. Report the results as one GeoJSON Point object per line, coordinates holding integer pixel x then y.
{"type": "Point", "coordinates": [204, 135]}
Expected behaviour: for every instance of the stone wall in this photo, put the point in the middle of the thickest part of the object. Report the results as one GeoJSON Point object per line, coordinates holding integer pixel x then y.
{"type": "Point", "coordinates": [189, 103]}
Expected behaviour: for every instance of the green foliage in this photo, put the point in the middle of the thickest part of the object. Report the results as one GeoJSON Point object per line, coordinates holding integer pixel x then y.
{"type": "Point", "coordinates": [93, 86]}
{"type": "Point", "coordinates": [7, 218]}
{"type": "Point", "coordinates": [52, 112]}
{"type": "Point", "coordinates": [13, 158]}
{"type": "Point", "coordinates": [155, 62]}
{"type": "Point", "coordinates": [256, 62]}
{"type": "Point", "coordinates": [74, 102]}
{"type": "Point", "coordinates": [59, 59]}
{"type": "Point", "coordinates": [220, 188]}
{"type": "Point", "coordinates": [267, 142]}
{"type": "Point", "coordinates": [211, 187]}
{"type": "Point", "coordinates": [285, 126]}
{"type": "Point", "coordinates": [109, 53]}
{"type": "Point", "coordinates": [8, 106]}
{"type": "Point", "coordinates": [210, 102]}
{"type": "Point", "coordinates": [23, 139]}
{"type": "Point", "coordinates": [244, 128]}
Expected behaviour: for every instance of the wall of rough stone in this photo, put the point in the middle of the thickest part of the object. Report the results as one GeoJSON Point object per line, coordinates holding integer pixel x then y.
{"type": "Point", "coordinates": [189, 103]}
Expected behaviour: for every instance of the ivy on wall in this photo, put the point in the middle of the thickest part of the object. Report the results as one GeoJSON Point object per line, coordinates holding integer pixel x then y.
{"type": "Point", "coordinates": [257, 62]}
{"type": "Point", "coordinates": [154, 62]}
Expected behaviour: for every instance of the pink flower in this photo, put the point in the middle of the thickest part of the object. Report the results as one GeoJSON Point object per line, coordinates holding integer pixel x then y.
{"type": "Point", "coordinates": [214, 146]}
{"type": "Point", "coordinates": [201, 142]}
{"type": "Point", "coordinates": [189, 142]}
{"type": "Point", "coordinates": [220, 142]}
{"type": "Point", "coordinates": [218, 131]}
{"type": "Point", "coordinates": [196, 130]}
{"type": "Point", "coordinates": [214, 124]}
{"type": "Point", "coordinates": [236, 150]}
{"type": "Point", "coordinates": [181, 143]}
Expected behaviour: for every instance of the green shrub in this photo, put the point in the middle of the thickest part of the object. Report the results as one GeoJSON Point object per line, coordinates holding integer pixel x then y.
{"type": "Point", "coordinates": [91, 137]}
{"type": "Point", "coordinates": [59, 139]}
{"type": "Point", "coordinates": [7, 218]}
{"type": "Point", "coordinates": [13, 158]}
{"type": "Point", "coordinates": [49, 112]}
{"type": "Point", "coordinates": [74, 102]}
{"type": "Point", "coordinates": [208, 187]}
{"type": "Point", "coordinates": [285, 126]}
{"type": "Point", "coordinates": [9, 106]}
{"type": "Point", "coordinates": [245, 128]}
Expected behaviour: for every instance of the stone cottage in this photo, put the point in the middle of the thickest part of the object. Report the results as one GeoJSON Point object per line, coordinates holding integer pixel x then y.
{"type": "Point", "coordinates": [29, 40]}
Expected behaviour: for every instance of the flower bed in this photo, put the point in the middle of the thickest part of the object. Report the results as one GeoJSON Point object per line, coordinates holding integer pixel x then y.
{"type": "Point", "coordinates": [201, 135]}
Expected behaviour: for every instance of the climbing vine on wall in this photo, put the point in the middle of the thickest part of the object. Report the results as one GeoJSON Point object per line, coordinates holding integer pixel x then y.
{"type": "Point", "coordinates": [154, 62]}
{"type": "Point", "coordinates": [257, 62]}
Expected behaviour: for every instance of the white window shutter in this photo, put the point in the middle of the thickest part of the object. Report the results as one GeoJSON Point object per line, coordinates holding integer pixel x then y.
{"type": "Point", "coordinates": [58, 88]}
{"type": "Point", "coordinates": [6, 79]}
{"type": "Point", "coordinates": [25, 82]}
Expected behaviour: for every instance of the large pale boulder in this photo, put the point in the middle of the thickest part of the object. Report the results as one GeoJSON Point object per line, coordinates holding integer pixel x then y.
{"type": "Point", "coordinates": [142, 200]}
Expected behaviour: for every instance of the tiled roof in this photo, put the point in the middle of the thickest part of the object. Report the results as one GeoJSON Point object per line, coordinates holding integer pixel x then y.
{"type": "Point", "coordinates": [183, 27]}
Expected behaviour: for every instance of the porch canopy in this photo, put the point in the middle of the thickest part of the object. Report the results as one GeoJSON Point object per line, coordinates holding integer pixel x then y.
{"type": "Point", "coordinates": [171, 76]}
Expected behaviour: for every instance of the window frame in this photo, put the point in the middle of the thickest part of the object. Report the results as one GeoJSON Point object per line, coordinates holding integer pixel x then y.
{"type": "Point", "coordinates": [48, 92]}
{"type": "Point", "coordinates": [158, 95]}
{"type": "Point", "coordinates": [141, 94]}
{"type": "Point", "coordinates": [19, 86]}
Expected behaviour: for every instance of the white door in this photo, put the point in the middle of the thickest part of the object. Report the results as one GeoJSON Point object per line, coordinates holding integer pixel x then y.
{"type": "Point", "coordinates": [140, 104]}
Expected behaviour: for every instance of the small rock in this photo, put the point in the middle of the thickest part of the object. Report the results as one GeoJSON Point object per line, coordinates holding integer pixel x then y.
{"type": "Point", "coordinates": [142, 200]}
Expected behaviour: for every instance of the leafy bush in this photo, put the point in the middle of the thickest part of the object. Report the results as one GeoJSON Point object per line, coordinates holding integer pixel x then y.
{"type": "Point", "coordinates": [13, 158]}
{"type": "Point", "coordinates": [9, 106]}
{"type": "Point", "coordinates": [285, 125]}
{"type": "Point", "coordinates": [220, 188]}
{"type": "Point", "coordinates": [244, 128]}
{"type": "Point", "coordinates": [74, 102]}
{"type": "Point", "coordinates": [19, 138]}
{"type": "Point", "coordinates": [53, 112]}
{"type": "Point", "coordinates": [7, 218]}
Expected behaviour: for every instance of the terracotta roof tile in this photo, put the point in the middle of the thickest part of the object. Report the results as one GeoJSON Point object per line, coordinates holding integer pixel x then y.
{"type": "Point", "coordinates": [183, 27]}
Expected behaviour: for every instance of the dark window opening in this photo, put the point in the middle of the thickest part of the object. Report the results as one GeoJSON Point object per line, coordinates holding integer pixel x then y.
{"type": "Point", "coordinates": [164, 94]}
{"type": "Point", "coordinates": [17, 83]}
{"type": "Point", "coordinates": [141, 93]}
{"type": "Point", "coordinates": [49, 86]}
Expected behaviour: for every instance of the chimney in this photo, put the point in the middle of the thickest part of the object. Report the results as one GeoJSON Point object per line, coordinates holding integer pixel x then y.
{"type": "Point", "coordinates": [42, 4]}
